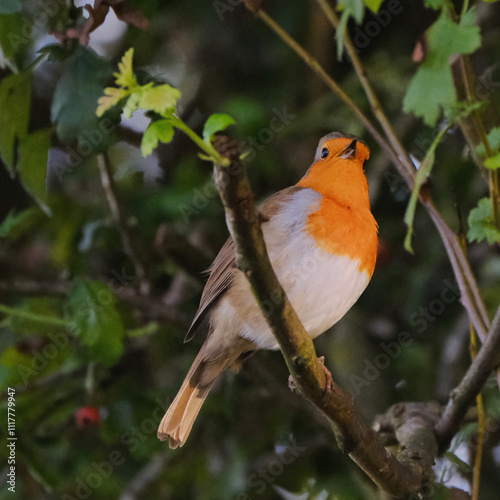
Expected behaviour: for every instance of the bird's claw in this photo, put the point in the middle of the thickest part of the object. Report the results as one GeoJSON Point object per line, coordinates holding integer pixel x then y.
{"type": "Point", "coordinates": [328, 375]}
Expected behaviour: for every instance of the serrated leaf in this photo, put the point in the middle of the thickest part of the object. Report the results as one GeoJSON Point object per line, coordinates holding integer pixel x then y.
{"type": "Point", "coordinates": [216, 123]}
{"type": "Point", "coordinates": [432, 86]}
{"type": "Point", "coordinates": [493, 162]}
{"type": "Point", "coordinates": [125, 76]}
{"type": "Point", "coordinates": [355, 7]}
{"type": "Point", "coordinates": [131, 104]}
{"type": "Point", "coordinates": [33, 154]}
{"type": "Point", "coordinates": [16, 223]}
{"type": "Point", "coordinates": [481, 225]}
{"type": "Point", "coordinates": [111, 97]}
{"type": "Point", "coordinates": [76, 95]}
{"type": "Point", "coordinates": [161, 130]}
{"type": "Point", "coordinates": [374, 5]}
{"type": "Point", "coordinates": [15, 97]}
{"type": "Point", "coordinates": [493, 140]}
{"type": "Point", "coordinates": [10, 6]}
{"type": "Point", "coordinates": [161, 99]}
{"type": "Point", "coordinates": [91, 308]}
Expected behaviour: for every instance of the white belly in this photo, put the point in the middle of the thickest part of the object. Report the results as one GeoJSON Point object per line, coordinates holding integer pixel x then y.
{"type": "Point", "coordinates": [321, 287]}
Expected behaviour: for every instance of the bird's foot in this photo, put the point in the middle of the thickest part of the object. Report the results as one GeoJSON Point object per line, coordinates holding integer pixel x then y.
{"type": "Point", "coordinates": [328, 375]}
{"type": "Point", "coordinates": [291, 384]}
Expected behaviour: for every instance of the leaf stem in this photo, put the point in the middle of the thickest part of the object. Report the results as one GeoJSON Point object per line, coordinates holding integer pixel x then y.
{"type": "Point", "coordinates": [204, 146]}
{"type": "Point", "coordinates": [39, 318]}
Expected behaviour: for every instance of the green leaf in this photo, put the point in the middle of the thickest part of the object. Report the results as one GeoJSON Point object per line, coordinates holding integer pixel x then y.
{"type": "Point", "coordinates": [54, 52]}
{"type": "Point", "coordinates": [435, 4]}
{"type": "Point", "coordinates": [493, 162]}
{"type": "Point", "coordinates": [374, 5]}
{"type": "Point", "coordinates": [432, 86]}
{"type": "Point", "coordinates": [16, 224]}
{"type": "Point", "coordinates": [214, 124]}
{"type": "Point", "coordinates": [481, 223]}
{"type": "Point", "coordinates": [33, 154]}
{"type": "Point", "coordinates": [131, 104]}
{"type": "Point", "coordinates": [10, 6]}
{"type": "Point", "coordinates": [111, 97]}
{"type": "Point", "coordinates": [125, 76]}
{"type": "Point", "coordinates": [161, 130]}
{"type": "Point", "coordinates": [15, 97]}
{"type": "Point", "coordinates": [76, 95]}
{"type": "Point", "coordinates": [161, 99]}
{"type": "Point", "coordinates": [355, 7]}
{"type": "Point", "coordinates": [13, 42]}
{"type": "Point", "coordinates": [91, 309]}
{"type": "Point", "coordinates": [422, 173]}
{"type": "Point", "coordinates": [493, 139]}
{"type": "Point", "coordinates": [340, 33]}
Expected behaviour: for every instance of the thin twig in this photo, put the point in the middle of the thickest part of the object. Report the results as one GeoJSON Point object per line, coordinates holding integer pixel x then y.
{"type": "Point", "coordinates": [375, 105]}
{"type": "Point", "coordinates": [311, 378]}
{"type": "Point", "coordinates": [119, 218]}
{"type": "Point", "coordinates": [463, 396]}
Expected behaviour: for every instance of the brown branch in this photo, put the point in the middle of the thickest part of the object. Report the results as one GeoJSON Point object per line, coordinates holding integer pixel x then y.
{"type": "Point", "coordinates": [311, 378]}
{"type": "Point", "coordinates": [464, 395]}
{"type": "Point", "coordinates": [470, 296]}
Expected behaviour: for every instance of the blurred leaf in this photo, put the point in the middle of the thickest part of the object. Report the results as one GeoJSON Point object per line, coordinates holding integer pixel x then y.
{"type": "Point", "coordinates": [161, 99]}
{"type": "Point", "coordinates": [493, 162]}
{"type": "Point", "coordinates": [493, 139]}
{"type": "Point", "coordinates": [17, 223]}
{"type": "Point", "coordinates": [33, 154]}
{"type": "Point", "coordinates": [481, 223]}
{"type": "Point", "coordinates": [54, 52]}
{"type": "Point", "coordinates": [216, 123]}
{"type": "Point", "coordinates": [76, 95]}
{"type": "Point", "coordinates": [91, 308]}
{"type": "Point", "coordinates": [432, 86]}
{"type": "Point", "coordinates": [125, 76]}
{"type": "Point", "coordinates": [15, 100]}
{"type": "Point", "coordinates": [161, 130]}
{"type": "Point", "coordinates": [435, 4]}
{"type": "Point", "coordinates": [44, 307]}
{"type": "Point", "coordinates": [356, 8]}
{"type": "Point", "coordinates": [11, 39]}
{"type": "Point", "coordinates": [10, 6]}
{"type": "Point", "coordinates": [340, 33]}
{"type": "Point", "coordinates": [374, 5]}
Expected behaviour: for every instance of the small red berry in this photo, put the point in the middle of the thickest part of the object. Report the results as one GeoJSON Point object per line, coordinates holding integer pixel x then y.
{"type": "Point", "coordinates": [87, 416]}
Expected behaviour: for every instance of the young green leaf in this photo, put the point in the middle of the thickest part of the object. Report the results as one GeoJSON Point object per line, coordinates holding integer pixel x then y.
{"type": "Point", "coordinates": [481, 224]}
{"type": "Point", "coordinates": [33, 154]}
{"type": "Point", "coordinates": [493, 162]}
{"type": "Point", "coordinates": [161, 99]}
{"type": "Point", "coordinates": [111, 97]}
{"type": "Point", "coordinates": [91, 309]}
{"type": "Point", "coordinates": [161, 130]}
{"type": "Point", "coordinates": [15, 96]}
{"type": "Point", "coordinates": [216, 123]}
{"type": "Point", "coordinates": [493, 139]}
{"type": "Point", "coordinates": [374, 5]}
{"type": "Point", "coordinates": [125, 76]}
{"type": "Point", "coordinates": [432, 86]}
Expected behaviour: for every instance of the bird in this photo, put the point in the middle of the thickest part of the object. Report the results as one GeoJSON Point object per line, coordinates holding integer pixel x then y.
{"type": "Point", "coordinates": [322, 241]}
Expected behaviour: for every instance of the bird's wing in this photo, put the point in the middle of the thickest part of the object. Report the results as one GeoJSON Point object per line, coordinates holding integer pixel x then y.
{"type": "Point", "coordinates": [224, 267]}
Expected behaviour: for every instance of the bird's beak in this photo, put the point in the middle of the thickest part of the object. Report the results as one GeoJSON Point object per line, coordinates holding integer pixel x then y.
{"type": "Point", "coordinates": [349, 151]}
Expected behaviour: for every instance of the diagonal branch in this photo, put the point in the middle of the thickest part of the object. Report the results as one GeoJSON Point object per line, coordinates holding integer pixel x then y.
{"type": "Point", "coordinates": [312, 379]}
{"type": "Point", "coordinates": [463, 396]}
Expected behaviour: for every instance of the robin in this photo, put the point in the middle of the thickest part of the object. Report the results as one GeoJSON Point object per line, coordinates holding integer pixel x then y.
{"type": "Point", "coordinates": [322, 241]}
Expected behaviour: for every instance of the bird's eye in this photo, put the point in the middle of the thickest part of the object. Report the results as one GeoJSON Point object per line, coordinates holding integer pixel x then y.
{"type": "Point", "coordinates": [324, 153]}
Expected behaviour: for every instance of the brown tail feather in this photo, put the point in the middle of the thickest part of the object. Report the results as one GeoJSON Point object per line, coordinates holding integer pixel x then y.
{"type": "Point", "coordinates": [179, 419]}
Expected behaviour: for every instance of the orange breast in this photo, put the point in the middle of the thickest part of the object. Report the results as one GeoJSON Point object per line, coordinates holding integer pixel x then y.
{"type": "Point", "coordinates": [342, 230]}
